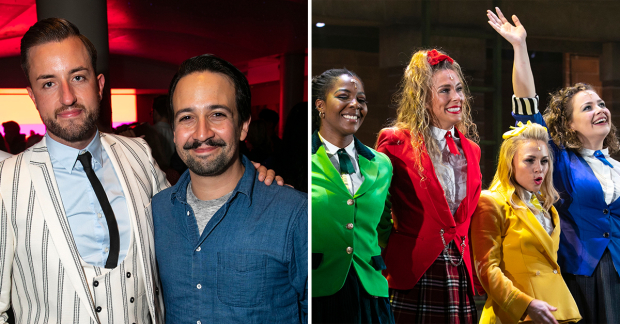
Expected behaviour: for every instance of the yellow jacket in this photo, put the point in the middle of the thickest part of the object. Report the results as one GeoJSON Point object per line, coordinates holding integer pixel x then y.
{"type": "Point", "coordinates": [516, 261]}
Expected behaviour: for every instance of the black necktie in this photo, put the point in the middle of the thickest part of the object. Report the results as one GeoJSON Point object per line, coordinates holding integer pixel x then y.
{"type": "Point", "coordinates": [345, 162]}
{"type": "Point", "coordinates": [115, 241]}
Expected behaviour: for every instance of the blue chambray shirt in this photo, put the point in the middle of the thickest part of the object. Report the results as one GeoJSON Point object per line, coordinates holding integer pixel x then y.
{"type": "Point", "coordinates": [250, 265]}
{"type": "Point", "coordinates": [86, 218]}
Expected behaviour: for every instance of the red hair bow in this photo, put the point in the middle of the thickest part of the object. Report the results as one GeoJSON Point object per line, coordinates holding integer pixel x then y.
{"type": "Point", "coordinates": [435, 57]}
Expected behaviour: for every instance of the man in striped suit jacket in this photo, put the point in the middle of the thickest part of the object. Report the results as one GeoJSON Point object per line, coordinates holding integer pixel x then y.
{"type": "Point", "coordinates": [53, 240]}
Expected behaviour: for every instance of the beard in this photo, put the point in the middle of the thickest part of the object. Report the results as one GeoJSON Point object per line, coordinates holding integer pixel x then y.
{"type": "Point", "coordinates": [202, 166]}
{"type": "Point", "coordinates": [76, 130]}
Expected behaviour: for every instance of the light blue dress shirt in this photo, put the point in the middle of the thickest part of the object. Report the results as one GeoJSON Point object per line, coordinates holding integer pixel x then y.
{"type": "Point", "coordinates": [86, 218]}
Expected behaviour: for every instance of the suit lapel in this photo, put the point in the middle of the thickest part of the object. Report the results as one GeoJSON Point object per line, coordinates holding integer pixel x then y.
{"type": "Point", "coordinates": [549, 242]}
{"type": "Point", "coordinates": [50, 202]}
{"type": "Point", "coordinates": [327, 168]}
{"type": "Point", "coordinates": [140, 222]}
{"type": "Point", "coordinates": [473, 181]}
{"type": "Point", "coordinates": [370, 171]}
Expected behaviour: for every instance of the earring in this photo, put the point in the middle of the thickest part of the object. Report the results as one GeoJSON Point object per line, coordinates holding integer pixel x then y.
{"type": "Point", "coordinates": [321, 114]}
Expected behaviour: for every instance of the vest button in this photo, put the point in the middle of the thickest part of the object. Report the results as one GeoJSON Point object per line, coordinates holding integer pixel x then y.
{"type": "Point", "coordinates": [605, 235]}
{"type": "Point", "coordinates": [131, 300]}
{"type": "Point", "coordinates": [350, 226]}
{"type": "Point", "coordinates": [98, 309]}
{"type": "Point", "coordinates": [606, 211]}
{"type": "Point", "coordinates": [128, 274]}
{"type": "Point", "coordinates": [349, 250]}
{"type": "Point", "coordinates": [96, 283]}
{"type": "Point", "coordinates": [555, 271]}
{"type": "Point", "coordinates": [350, 202]}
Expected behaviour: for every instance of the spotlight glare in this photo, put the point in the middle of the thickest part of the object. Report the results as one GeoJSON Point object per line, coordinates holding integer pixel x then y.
{"type": "Point", "coordinates": [320, 24]}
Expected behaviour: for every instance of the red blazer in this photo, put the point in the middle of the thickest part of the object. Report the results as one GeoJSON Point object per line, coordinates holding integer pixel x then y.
{"type": "Point", "coordinates": [420, 210]}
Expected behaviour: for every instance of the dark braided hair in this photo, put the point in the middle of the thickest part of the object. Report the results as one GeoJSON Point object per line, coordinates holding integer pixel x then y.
{"type": "Point", "coordinates": [320, 85]}
{"type": "Point", "coordinates": [559, 115]}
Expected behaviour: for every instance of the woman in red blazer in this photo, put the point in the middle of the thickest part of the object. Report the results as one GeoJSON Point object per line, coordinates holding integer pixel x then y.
{"type": "Point", "coordinates": [435, 189]}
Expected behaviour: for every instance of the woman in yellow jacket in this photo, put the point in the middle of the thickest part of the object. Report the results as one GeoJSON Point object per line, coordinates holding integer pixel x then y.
{"type": "Point", "coordinates": [515, 233]}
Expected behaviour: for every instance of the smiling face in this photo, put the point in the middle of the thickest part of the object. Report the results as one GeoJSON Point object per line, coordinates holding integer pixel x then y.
{"type": "Point", "coordinates": [530, 164]}
{"type": "Point", "coordinates": [65, 90]}
{"type": "Point", "coordinates": [590, 119]}
{"type": "Point", "coordinates": [206, 127]}
{"type": "Point", "coordinates": [344, 108]}
{"type": "Point", "coordinates": [447, 102]}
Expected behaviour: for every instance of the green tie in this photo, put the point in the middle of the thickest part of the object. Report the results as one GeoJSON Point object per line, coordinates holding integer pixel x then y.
{"type": "Point", "coordinates": [345, 162]}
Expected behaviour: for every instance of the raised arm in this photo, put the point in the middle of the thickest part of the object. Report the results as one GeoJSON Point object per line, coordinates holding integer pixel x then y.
{"type": "Point", "coordinates": [522, 78]}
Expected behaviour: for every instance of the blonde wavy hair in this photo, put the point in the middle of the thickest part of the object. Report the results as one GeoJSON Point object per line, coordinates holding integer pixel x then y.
{"type": "Point", "coordinates": [505, 174]}
{"type": "Point", "coordinates": [559, 115]}
{"type": "Point", "coordinates": [414, 99]}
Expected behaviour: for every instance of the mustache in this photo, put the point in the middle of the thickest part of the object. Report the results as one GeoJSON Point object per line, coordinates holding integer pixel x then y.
{"type": "Point", "coordinates": [209, 142]}
{"type": "Point", "coordinates": [62, 108]}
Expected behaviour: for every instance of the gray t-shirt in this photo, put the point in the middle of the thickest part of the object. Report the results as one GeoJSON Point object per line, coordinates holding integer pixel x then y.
{"type": "Point", "coordinates": [204, 209]}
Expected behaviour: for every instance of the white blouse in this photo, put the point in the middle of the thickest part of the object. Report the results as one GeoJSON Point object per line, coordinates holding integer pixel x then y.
{"type": "Point", "coordinates": [451, 170]}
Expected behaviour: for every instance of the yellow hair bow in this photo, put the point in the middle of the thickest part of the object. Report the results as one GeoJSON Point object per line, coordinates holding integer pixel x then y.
{"type": "Point", "coordinates": [515, 131]}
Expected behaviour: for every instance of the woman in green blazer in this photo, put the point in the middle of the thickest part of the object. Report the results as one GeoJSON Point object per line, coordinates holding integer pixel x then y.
{"type": "Point", "coordinates": [350, 208]}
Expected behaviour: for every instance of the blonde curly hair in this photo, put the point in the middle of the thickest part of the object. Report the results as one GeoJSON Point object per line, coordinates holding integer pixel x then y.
{"type": "Point", "coordinates": [559, 115]}
{"type": "Point", "coordinates": [414, 98]}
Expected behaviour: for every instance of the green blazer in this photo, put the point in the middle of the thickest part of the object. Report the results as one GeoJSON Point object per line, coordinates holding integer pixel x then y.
{"type": "Point", "coordinates": [348, 229]}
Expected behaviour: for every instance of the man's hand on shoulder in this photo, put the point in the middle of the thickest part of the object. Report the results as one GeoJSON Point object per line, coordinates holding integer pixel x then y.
{"type": "Point", "coordinates": [267, 176]}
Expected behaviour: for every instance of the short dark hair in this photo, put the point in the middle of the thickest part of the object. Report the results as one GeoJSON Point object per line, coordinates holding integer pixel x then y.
{"type": "Point", "coordinates": [53, 30]}
{"type": "Point", "coordinates": [212, 63]}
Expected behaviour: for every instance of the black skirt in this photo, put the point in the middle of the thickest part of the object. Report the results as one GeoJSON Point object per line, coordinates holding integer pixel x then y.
{"type": "Point", "coordinates": [351, 304]}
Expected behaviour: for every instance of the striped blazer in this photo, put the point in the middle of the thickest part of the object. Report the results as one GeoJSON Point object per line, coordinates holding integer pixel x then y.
{"type": "Point", "coordinates": [40, 270]}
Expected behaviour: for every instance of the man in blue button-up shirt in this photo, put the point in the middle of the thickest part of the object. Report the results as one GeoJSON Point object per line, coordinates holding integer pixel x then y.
{"type": "Point", "coordinates": [230, 249]}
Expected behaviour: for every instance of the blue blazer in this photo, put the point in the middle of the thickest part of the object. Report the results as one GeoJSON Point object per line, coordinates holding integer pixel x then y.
{"type": "Point", "coordinates": [589, 225]}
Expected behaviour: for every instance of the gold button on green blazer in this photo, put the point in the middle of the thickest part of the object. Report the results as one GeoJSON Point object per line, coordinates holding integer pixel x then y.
{"type": "Point", "coordinates": [347, 229]}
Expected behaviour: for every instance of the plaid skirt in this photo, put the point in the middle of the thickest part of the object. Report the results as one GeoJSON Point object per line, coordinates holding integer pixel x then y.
{"type": "Point", "coordinates": [443, 295]}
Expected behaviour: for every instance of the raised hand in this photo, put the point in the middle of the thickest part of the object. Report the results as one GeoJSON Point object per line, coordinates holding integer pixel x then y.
{"type": "Point", "coordinates": [514, 34]}
{"type": "Point", "coordinates": [540, 312]}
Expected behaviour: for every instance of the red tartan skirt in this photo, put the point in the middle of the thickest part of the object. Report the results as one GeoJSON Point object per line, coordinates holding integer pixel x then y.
{"type": "Point", "coordinates": [441, 296]}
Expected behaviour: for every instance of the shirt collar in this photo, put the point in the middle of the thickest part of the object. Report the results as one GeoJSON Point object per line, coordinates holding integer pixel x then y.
{"type": "Point", "coordinates": [587, 152]}
{"type": "Point", "coordinates": [244, 186]}
{"type": "Point", "coordinates": [66, 156]}
{"type": "Point", "coordinates": [333, 149]}
{"type": "Point", "coordinates": [440, 134]}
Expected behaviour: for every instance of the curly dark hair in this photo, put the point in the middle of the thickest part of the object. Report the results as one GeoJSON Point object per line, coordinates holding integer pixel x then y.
{"type": "Point", "coordinates": [559, 115]}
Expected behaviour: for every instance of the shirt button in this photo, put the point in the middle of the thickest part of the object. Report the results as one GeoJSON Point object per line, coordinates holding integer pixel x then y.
{"type": "Point", "coordinates": [349, 250]}
{"type": "Point", "coordinates": [198, 322]}
{"type": "Point", "coordinates": [605, 211]}
{"type": "Point", "coordinates": [106, 250]}
{"type": "Point", "coordinates": [99, 215]}
{"type": "Point", "coordinates": [128, 274]}
{"type": "Point", "coordinates": [198, 249]}
{"type": "Point", "coordinates": [188, 213]}
{"type": "Point", "coordinates": [98, 309]}
{"type": "Point", "coordinates": [96, 283]}
{"type": "Point", "coordinates": [350, 202]}
{"type": "Point", "coordinates": [538, 273]}
{"type": "Point", "coordinates": [350, 226]}
{"type": "Point", "coordinates": [131, 300]}
{"type": "Point", "coordinates": [555, 271]}
{"type": "Point", "coordinates": [605, 235]}
{"type": "Point", "coordinates": [198, 286]}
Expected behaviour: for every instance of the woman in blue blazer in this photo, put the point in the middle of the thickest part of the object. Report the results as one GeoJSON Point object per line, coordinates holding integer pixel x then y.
{"type": "Point", "coordinates": [588, 180]}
